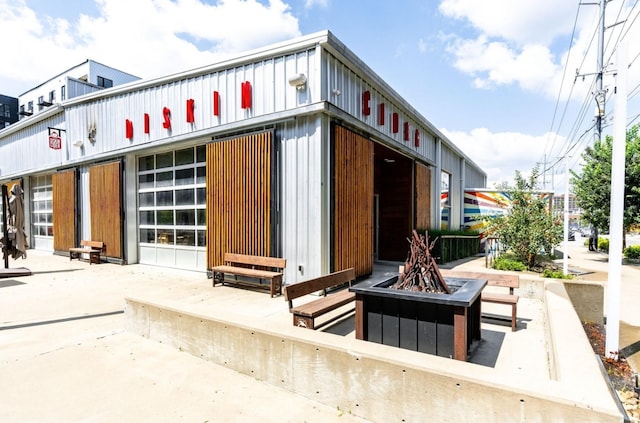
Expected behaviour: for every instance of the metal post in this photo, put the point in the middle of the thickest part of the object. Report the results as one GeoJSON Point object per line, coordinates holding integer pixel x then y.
{"type": "Point", "coordinates": [5, 229]}
{"type": "Point", "coordinates": [616, 226]}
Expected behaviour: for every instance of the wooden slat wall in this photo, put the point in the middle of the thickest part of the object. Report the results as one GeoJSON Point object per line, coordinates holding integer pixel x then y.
{"type": "Point", "coordinates": [423, 197]}
{"type": "Point", "coordinates": [64, 210]}
{"type": "Point", "coordinates": [353, 202]}
{"type": "Point", "coordinates": [239, 197]}
{"type": "Point", "coordinates": [106, 204]}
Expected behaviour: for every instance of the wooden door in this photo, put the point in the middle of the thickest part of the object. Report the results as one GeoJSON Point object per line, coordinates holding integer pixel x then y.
{"type": "Point", "coordinates": [105, 199]}
{"type": "Point", "coordinates": [239, 197]}
{"type": "Point", "coordinates": [423, 197]}
{"type": "Point", "coordinates": [352, 202]}
{"type": "Point", "coordinates": [64, 210]}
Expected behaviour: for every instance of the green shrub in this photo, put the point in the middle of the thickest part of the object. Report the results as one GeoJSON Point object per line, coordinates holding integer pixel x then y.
{"type": "Point", "coordinates": [507, 263]}
{"type": "Point", "coordinates": [555, 274]}
{"type": "Point", "coordinates": [603, 244]}
{"type": "Point", "coordinates": [632, 252]}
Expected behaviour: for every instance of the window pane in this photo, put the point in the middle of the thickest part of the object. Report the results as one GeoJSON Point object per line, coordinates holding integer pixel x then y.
{"type": "Point", "coordinates": [148, 235]}
{"type": "Point", "coordinates": [165, 179]}
{"type": "Point", "coordinates": [164, 160]}
{"type": "Point", "coordinates": [164, 198]}
{"type": "Point", "coordinates": [185, 217]}
{"type": "Point", "coordinates": [185, 237]}
{"type": "Point", "coordinates": [147, 217]}
{"type": "Point", "coordinates": [165, 217]}
{"type": "Point", "coordinates": [202, 236]}
{"type": "Point", "coordinates": [145, 163]}
{"type": "Point", "coordinates": [202, 217]}
{"type": "Point", "coordinates": [201, 173]}
{"type": "Point", "coordinates": [201, 154]}
{"type": "Point", "coordinates": [145, 199]}
{"type": "Point", "coordinates": [184, 157]}
{"type": "Point", "coordinates": [184, 177]}
{"type": "Point", "coordinates": [185, 197]}
{"type": "Point", "coordinates": [165, 236]}
{"type": "Point", "coordinates": [146, 181]}
{"type": "Point", "coordinates": [201, 195]}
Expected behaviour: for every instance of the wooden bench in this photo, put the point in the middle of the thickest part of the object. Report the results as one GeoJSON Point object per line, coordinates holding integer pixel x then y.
{"type": "Point", "coordinates": [493, 279]}
{"type": "Point", "coordinates": [304, 315]}
{"type": "Point", "coordinates": [250, 268]}
{"type": "Point", "coordinates": [93, 248]}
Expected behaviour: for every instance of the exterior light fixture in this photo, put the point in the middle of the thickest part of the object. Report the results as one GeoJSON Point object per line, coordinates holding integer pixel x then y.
{"type": "Point", "coordinates": [299, 81]}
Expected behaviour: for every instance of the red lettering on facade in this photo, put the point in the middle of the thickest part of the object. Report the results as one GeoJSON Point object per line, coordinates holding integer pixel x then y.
{"type": "Point", "coordinates": [395, 123]}
{"type": "Point", "coordinates": [416, 138]}
{"type": "Point", "coordinates": [366, 97]}
{"type": "Point", "coordinates": [191, 105]}
{"type": "Point", "coordinates": [216, 103]}
{"type": "Point", "coordinates": [146, 123]}
{"type": "Point", "coordinates": [128, 129]}
{"type": "Point", "coordinates": [166, 115]}
{"type": "Point", "coordinates": [406, 131]}
{"type": "Point", "coordinates": [381, 114]}
{"type": "Point", "coordinates": [245, 101]}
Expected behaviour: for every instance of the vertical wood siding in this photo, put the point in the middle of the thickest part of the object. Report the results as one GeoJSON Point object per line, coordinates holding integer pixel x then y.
{"type": "Point", "coordinates": [106, 204]}
{"type": "Point", "coordinates": [64, 210]}
{"type": "Point", "coordinates": [423, 197]}
{"type": "Point", "coordinates": [353, 202]}
{"type": "Point", "coordinates": [239, 197]}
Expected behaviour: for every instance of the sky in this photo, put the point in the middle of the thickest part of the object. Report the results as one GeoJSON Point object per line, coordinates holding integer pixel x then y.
{"type": "Point", "coordinates": [511, 83]}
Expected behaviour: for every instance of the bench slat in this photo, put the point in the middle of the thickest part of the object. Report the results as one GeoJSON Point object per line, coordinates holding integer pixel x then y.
{"type": "Point", "coordinates": [297, 290]}
{"type": "Point", "coordinates": [325, 304]}
{"type": "Point", "coordinates": [499, 298]}
{"type": "Point", "coordinates": [250, 260]}
{"type": "Point", "coordinates": [243, 271]}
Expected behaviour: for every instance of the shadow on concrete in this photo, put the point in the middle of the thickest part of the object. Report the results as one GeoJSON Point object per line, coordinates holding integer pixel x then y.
{"type": "Point", "coordinates": [485, 352]}
{"type": "Point", "coordinates": [66, 319]}
{"type": "Point", "coordinates": [4, 283]}
{"type": "Point", "coordinates": [493, 319]}
{"type": "Point", "coordinates": [56, 271]}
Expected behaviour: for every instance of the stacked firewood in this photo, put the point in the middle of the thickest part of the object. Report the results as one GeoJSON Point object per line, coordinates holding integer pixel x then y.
{"type": "Point", "coordinates": [421, 273]}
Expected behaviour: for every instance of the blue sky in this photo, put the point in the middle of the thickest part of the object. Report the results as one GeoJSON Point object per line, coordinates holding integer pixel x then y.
{"type": "Point", "coordinates": [487, 73]}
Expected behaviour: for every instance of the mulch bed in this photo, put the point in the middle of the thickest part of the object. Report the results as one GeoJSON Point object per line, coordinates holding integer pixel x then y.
{"type": "Point", "coordinates": [621, 375]}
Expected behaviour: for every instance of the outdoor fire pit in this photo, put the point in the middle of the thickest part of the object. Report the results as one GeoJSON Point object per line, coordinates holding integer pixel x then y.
{"type": "Point", "coordinates": [439, 323]}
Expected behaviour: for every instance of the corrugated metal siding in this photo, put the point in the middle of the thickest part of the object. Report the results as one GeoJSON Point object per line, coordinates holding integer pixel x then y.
{"type": "Point", "coordinates": [474, 178]}
{"type": "Point", "coordinates": [76, 88]}
{"type": "Point", "coordinates": [450, 161]}
{"type": "Point", "coordinates": [28, 150]}
{"type": "Point", "coordinates": [270, 91]}
{"type": "Point", "coordinates": [344, 88]}
{"type": "Point", "coordinates": [305, 196]}
{"type": "Point", "coordinates": [118, 77]}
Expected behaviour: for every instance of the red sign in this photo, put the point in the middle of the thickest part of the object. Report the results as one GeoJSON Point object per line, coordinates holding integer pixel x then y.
{"type": "Point", "coordinates": [55, 142]}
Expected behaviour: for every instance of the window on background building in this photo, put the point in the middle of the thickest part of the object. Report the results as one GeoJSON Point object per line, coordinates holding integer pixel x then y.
{"type": "Point", "coordinates": [52, 96]}
{"type": "Point", "coordinates": [40, 101]}
{"type": "Point", "coordinates": [7, 111]}
{"type": "Point", "coordinates": [171, 198]}
{"type": "Point", "coordinates": [445, 200]}
{"type": "Point", "coordinates": [63, 93]}
{"type": "Point", "coordinates": [30, 106]}
{"type": "Point", "coordinates": [104, 82]}
{"type": "Point", "coordinates": [42, 206]}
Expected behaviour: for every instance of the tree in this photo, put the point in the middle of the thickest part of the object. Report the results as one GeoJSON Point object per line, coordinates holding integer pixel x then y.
{"type": "Point", "coordinates": [527, 228]}
{"type": "Point", "coordinates": [592, 187]}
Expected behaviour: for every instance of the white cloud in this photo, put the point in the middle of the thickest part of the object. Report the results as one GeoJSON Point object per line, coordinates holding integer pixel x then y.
{"type": "Point", "coordinates": [501, 154]}
{"type": "Point", "coordinates": [525, 43]}
{"type": "Point", "coordinates": [311, 3]}
{"type": "Point", "coordinates": [147, 38]}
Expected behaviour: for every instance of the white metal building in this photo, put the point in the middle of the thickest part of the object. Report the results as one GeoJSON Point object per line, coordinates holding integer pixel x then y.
{"type": "Point", "coordinates": [297, 150]}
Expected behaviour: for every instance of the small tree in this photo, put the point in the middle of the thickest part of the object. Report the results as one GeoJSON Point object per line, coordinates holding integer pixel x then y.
{"type": "Point", "coordinates": [527, 228]}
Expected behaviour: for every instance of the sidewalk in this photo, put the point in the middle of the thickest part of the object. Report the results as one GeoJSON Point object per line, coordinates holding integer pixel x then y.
{"type": "Point", "coordinates": [65, 355]}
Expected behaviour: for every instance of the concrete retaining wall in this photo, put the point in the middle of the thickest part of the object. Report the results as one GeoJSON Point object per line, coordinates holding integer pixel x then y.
{"type": "Point", "coordinates": [382, 383]}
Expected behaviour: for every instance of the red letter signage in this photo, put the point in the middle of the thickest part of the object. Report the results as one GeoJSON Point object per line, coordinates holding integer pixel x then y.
{"type": "Point", "coordinates": [128, 129]}
{"type": "Point", "coordinates": [190, 107]}
{"type": "Point", "coordinates": [366, 97]}
{"type": "Point", "coordinates": [245, 89]}
{"type": "Point", "coordinates": [166, 114]}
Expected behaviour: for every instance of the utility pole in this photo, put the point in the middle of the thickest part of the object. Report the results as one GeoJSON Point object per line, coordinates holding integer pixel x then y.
{"type": "Point", "coordinates": [600, 94]}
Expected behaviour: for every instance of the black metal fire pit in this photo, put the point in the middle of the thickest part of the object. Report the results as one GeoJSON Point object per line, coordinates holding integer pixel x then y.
{"type": "Point", "coordinates": [433, 323]}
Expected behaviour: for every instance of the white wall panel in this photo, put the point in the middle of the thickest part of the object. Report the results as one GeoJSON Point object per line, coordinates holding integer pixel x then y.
{"type": "Point", "coordinates": [305, 197]}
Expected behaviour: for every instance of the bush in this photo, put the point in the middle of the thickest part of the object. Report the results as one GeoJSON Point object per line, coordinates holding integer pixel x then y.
{"type": "Point", "coordinates": [555, 274]}
{"type": "Point", "coordinates": [508, 263]}
{"type": "Point", "coordinates": [632, 252]}
{"type": "Point", "coordinates": [603, 244]}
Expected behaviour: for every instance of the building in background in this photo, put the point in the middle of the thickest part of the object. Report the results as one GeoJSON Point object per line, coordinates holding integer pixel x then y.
{"type": "Point", "coordinates": [8, 110]}
{"type": "Point", "coordinates": [86, 77]}
{"type": "Point", "coordinates": [297, 150]}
